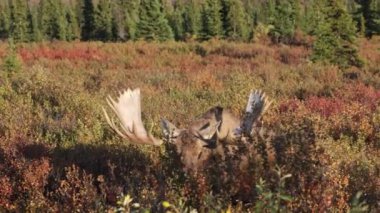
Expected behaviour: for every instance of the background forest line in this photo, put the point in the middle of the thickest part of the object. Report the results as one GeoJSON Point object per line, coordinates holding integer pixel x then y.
{"type": "Point", "coordinates": [117, 20]}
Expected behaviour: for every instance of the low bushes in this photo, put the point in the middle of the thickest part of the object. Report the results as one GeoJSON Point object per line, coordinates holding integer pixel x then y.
{"type": "Point", "coordinates": [319, 147]}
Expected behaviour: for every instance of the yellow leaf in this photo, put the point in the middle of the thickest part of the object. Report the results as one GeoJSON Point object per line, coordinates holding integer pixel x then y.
{"type": "Point", "coordinates": [166, 204]}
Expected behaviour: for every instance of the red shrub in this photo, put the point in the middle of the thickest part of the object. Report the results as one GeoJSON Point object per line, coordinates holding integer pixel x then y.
{"type": "Point", "coordinates": [292, 55]}
{"type": "Point", "coordinates": [324, 106]}
{"type": "Point", "coordinates": [22, 176]}
{"type": "Point", "coordinates": [5, 192]}
{"type": "Point", "coordinates": [362, 94]}
{"type": "Point", "coordinates": [369, 50]}
{"type": "Point", "coordinates": [36, 173]}
{"type": "Point", "coordinates": [289, 105]}
{"type": "Point", "coordinates": [76, 191]}
{"type": "Point", "coordinates": [77, 53]}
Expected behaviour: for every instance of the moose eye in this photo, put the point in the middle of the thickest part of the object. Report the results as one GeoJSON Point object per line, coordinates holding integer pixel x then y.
{"type": "Point", "coordinates": [199, 137]}
{"type": "Point", "coordinates": [200, 155]}
{"type": "Point", "coordinates": [205, 126]}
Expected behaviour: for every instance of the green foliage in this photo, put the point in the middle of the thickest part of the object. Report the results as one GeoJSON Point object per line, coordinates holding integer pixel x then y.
{"type": "Point", "coordinates": [88, 20]}
{"type": "Point", "coordinates": [73, 30]}
{"type": "Point", "coordinates": [35, 33]}
{"type": "Point", "coordinates": [368, 17]}
{"type": "Point", "coordinates": [19, 27]}
{"type": "Point", "coordinates": [59, 22]}
{"type": "Point", "coordinates": [298, 13]}
{"type": "Point", "coordinates": [54, 21]}
{"type": "Point", "coordinates": [103, 21]}
{"type": "Point", "coordinates": [336, 35]}
{"type": "Point", "coordinates": [125, 205]}
{"type": "Point", "coordinates": [11, 64]}
{"type": "Point", "coordinates": [261, 32]}
{"type": "Point", "coordinates": [108, 20]}
{"type": "Point", "coordinates": [234, 20]}
{"type": "Point", "coordinates": [273, 201]}
{"type": "Point", "coordinates": [269, 11]}
{"type": "Point", "coordinates": [361, 26]}
{"type": "Point", "coordinates": [153, 24]}
{"type": "Point", "coordinates": [284, 21]}
{"type": "Point", "coordinates": [191, 19]}
{"type": "Point", "coordinates": [313, 15]}
{"type": "Point", "coordinates": [5, 21]}
{"type": "Point", "coordinates": [177, 22]}
{"type": "Point", "coordinates": [358, 206]}
{"type": "Point", "coordinates": [211, 20]}
{"type": "Point", "coordinates": [131, 20]}
{"type": "Point", "coordinates": [44, 18]}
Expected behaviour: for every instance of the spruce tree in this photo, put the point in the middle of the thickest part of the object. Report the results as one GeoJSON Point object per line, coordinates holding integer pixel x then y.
{"type": "Point", "coordinates": [131, 10]}
{"type": "Point", "coordinates": [225, 8]}
{"type": "Point", "coordinates": [11, 63]}
{"type": "Point", "coordinates": [176, 20]}
{"type": "Point", "coordinates": [59, 21]}
{"type": "Point", "coordinates": [19, 20]}
{"type": "Point", "coordinates": [52, 20]}
{"type": "Point", "coordinates": [368, 17]}
{"type": "Point", "coordinates": [211, 20]}
{"type": "Point", "coordinates": [78, 11]}
{"type": "Point", "coordinates": [336, 34]}
{"type": "Point", "coordinates": [103, 21]}
{"type": "Point", "coordinates": [88, 24]}
{"type": "Point", "coordinates": [44, 18]}
{"type": "Point", "coordinates": [191, 19]}
{"type": "Point", "coordinates": [153, 24]}
{"type": "Point", "coordinates": [125, 15]}
{"type": "Point", "coordinates": [73, 31]}
{"type": "Point", "coordinates": [284, 22]}
{"type": "Point", "coordinates": [268, 11]}
{"type": "Point", "coordinates": [361, 26]}
{"type": "Point", "coordinates": [313, 16]}
{"type": "Point", "coordinates": [296, 5]}
{"type": "Point", "coordinates": [235, 22]}
{"type": "Point", "coordinates": [5, 21]}
{"type": "Point", "coordinates": [119, 20]}
{"type": "Point", "coordinates": [252, 14]}
{"type": "Point", "coordinates": [35, 32]}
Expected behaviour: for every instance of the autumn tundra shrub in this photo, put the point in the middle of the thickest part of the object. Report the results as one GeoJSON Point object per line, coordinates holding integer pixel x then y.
{"type": "Point", "coordinates": [315, 149]}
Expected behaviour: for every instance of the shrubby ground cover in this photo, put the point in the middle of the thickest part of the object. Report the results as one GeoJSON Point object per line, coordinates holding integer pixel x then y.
{"type": "Point", "coordinates": [58, 154]}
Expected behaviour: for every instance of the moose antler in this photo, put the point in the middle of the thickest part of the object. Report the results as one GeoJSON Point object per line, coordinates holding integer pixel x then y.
{"type": "Point", "coordinates": [128, 110]}
{"type": "Point", "coordinates": [257, 104]}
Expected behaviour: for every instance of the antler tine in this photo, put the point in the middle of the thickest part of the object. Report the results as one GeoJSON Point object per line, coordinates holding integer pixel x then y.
{"type": "Point", "coordinates": [128, 111]}
{"type": "Point", "coordinates": [112, 103]}
{"type": "Point", "coordinates": [112, 124]}
{"type": "Point", "coordinates": [257, 104]}
{"type": "Point", "coordinates": [267, 104]}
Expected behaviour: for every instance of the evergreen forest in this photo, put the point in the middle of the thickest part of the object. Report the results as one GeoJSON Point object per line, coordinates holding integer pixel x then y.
{"type": "Point", "coordinates": [181, 20]}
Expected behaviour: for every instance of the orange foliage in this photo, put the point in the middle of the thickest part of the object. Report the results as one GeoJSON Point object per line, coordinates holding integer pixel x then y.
{"type": "Point", "coordinates": [53, 53]}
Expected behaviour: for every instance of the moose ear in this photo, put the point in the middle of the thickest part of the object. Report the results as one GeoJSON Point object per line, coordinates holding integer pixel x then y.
{"type": "Point", "coordinates": [169, 129]}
